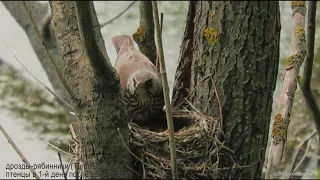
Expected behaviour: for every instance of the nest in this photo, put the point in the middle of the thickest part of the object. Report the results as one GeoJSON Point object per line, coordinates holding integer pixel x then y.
{"type": "Point", "coordinates": [197, 149]}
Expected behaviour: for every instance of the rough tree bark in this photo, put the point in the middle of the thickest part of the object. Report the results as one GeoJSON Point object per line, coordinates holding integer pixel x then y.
{"type": "Point", "coordinates": [94, 88]}
{"type": "Point", "coordinates": [39, 10]}
{"type": "Point", "coordinates": [237, 45]}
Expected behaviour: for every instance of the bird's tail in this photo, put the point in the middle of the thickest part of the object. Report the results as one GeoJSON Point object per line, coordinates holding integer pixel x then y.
{"type": "Point", "coordinates": [119, 41]}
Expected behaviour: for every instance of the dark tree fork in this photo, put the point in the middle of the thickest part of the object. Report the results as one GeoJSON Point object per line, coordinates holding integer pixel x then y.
{"type": "Point", "coordinates": [95, 89]}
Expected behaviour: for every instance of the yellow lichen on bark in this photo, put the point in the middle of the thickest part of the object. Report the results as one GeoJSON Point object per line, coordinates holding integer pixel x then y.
{"type": "Point", "coordinates": [300, 32]}
{"type": "Point", "coordinates": [211, 35]}
{"type": "Point", "coordinates": [139, 35]}
{"type": "Point", "coordinates": [297, 3]}
{"type": "Point", "coordinates": [279, 129]}
{"type": "Point", "coordinates": [211, 13]}
{"type": "Point", "coordinates": [291, 61]}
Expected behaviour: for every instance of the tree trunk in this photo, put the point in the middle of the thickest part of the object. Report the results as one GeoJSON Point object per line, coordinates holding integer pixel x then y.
{"type": "Point", "coordinates": [237, 45]}
{"type": "Point", "coordinates": [94, 88]}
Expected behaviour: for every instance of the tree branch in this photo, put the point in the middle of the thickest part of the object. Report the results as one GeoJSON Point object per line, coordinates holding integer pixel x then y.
{"type": "Point", "coordinates": [119, 15]}
{"type": "Point", "coordinates": [39, 11]}
{"type": "Point", "coordinates": [305, 82]}
{"type": "Point", "coordinates": [96, 89]}
{"type": "Point", "coordinates": [292, 66]}
{"type": "Point", "coordinates": [15, 147]}
{"type": "Point", "coordinates": [61, 78]}
{"type": "Point", "coordinates": [163, 73]}
{"type": "Point", "coordinates": [144, 36]}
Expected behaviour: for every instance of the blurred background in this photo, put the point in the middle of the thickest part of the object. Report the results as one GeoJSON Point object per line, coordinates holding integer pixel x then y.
{"type": "Point", "coordinates": [32, 117]}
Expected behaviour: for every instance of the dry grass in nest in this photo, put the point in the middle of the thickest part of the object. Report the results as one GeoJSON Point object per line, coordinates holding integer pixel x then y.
{"type": "Point", "coordinates": [197, 148]}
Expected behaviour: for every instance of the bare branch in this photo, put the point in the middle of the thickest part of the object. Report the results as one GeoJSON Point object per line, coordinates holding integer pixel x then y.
{"type": "Point", "coordinates": [119, 15]}
{"type": "Point", "coordinates": [46, 48]}
{"type": "Point", "coordinates": [292, 67]}
{"type": "Point", "coordinates": [60, 159]}
{"type": "Point", "coordinates": [15, 147]}
{"type": "Point", "coordinates": [39, 11]}
{"type": "Point", "coordinates": [144, 36]}
{"type": "Point", "coordinates": [42, 84]}
{"type": "Point", "coordinates": [163, 73]}
{"type": "Point", "coordinates": [305, 81]}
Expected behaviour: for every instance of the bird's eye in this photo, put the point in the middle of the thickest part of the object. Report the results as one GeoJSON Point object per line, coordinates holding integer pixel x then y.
{"type": "Point", "coordinates": [148, 83]}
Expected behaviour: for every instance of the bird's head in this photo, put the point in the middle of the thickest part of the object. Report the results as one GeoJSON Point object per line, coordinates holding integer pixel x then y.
{"type": "Point", "coordinates": [144, 83]}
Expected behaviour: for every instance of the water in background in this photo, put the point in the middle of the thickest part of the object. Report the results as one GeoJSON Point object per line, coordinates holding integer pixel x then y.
{"type": "Point", "coordinates": [36, 149]}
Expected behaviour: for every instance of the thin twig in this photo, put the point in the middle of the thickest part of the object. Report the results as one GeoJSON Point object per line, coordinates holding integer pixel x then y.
{"type": "Point", "coordinates": [304, 156]}
{"type": "Point", "coordinates": [161, 27]}
{"type": "Point", "coordinates": [119, 15]}
{"type": "Point", "coordinates": [313, 155]}
{"type": "Point", "coordinates": [163, 73]}
{"type": "Point", "coordinates": [15, 147]}
{"type": "Point", "coordinates": [301, 146]}
{"type": "Point", "coordinates": [73, 134]}
{"type": "Point", "coordinates": [69, 165]}
{"type": "Point", "coordinates": [48, 53]}
{"type": "Point", "coordinates": [59, 150]}
{"type": "Point", "coordinates": [219, 103]}
{"type": "Point", "coordinates": [46, 87]}
{"type": "Point", "coordinates": [61, 164]}
{"type": "Point", "coordinates": [124, 143]}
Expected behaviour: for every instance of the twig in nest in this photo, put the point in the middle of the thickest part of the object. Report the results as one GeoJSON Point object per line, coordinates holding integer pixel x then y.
{"type": "Point", "coordinates": [165, 90]}
{"type": "Point", "coordinates": [218, 99]}
{"type": "Point", "coordinates": [15, 147]}
{"type": "Point", "coordinates": [75, 148]}
{"type": "Point", "coordinates": [73, 134]}
{"type": "Point", "coordinates": [124, 143]}
{"type": "Point", "coordinates": [60, 159]}
{"type": "Point", "coordinates": [119, 15]}
{"type": "Point", "coordinates": [301, 146]}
